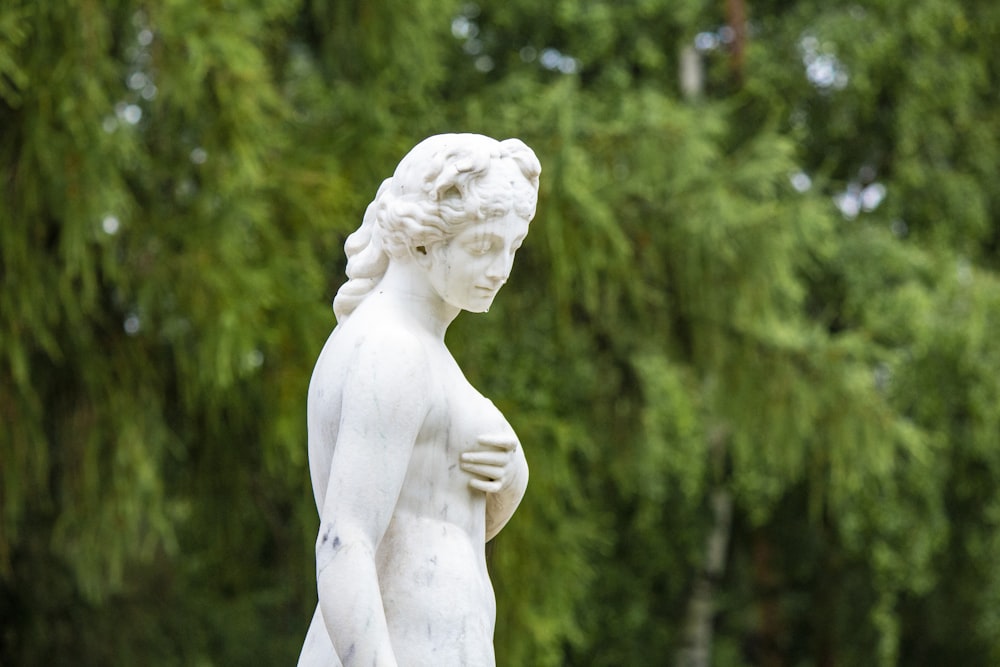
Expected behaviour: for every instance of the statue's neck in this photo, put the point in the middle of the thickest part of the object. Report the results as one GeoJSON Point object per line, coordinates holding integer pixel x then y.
{"type": "Point", "coordinates": [407, 286]}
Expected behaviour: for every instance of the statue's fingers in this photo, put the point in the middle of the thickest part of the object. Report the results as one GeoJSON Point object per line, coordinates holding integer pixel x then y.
{"type": "Point", "coordinates": [499, 440]}
{"type": "Point", "coordinates": [490, 472]}
{"type": "Point", "coordinates": [494, 458]}
{"type": "Point", "coordinates": [486, 486]}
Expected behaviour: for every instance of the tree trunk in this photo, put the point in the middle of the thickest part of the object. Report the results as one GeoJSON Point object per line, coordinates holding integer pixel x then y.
{"type": "Point", "coordinates": [696, 650]}
{"type": "Point", "coordinates": [769, 615]}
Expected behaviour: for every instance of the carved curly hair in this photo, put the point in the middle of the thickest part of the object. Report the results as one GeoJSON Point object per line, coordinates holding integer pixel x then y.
{"type": "Point", "coordinates": [445, 183]}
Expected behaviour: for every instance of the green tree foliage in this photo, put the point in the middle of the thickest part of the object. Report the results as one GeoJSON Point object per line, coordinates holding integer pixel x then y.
{"type": "Point", "coordinates": [156, 322]}
{"type": "Point", "coordinates": [780, 291]}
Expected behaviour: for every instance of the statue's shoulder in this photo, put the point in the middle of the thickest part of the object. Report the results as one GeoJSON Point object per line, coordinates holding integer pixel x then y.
{"type": "Point", "coordinates": [385, 346]}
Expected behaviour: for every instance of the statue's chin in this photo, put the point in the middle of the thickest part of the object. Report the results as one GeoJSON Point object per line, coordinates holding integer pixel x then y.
{"type": "Point", "coordinates": [479, 305]}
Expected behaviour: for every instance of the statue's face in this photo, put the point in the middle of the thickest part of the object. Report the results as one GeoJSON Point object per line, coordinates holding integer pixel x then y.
{"type": "Point", "coordinates": [469, 269]}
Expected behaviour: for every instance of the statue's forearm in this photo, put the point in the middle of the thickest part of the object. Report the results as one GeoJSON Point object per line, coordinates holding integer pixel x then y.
{"type": "Point", "coordinates": [351, 603]}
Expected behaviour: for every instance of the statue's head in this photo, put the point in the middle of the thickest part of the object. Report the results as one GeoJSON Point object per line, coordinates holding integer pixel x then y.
{"type": "Point", "coordinates": [444, 186]}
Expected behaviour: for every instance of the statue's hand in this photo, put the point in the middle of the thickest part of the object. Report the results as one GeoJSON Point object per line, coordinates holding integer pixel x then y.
{"type": "Point", "coordinates": [493, 463]}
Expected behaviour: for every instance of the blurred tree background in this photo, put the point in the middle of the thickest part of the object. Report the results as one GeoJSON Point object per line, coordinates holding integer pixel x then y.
{"type": "Point", "coordinates": [750, 345]}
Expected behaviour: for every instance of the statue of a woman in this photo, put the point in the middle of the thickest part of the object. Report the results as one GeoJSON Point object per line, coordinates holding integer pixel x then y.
{"type": "Point", "coordinates": [412, 468]}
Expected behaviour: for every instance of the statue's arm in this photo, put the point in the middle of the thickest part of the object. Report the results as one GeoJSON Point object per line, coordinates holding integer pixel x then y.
{"type": "Point", "coordinates": [385, 403]}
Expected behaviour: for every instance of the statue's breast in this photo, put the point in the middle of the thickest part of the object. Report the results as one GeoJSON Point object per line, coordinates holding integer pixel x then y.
{"type": "Point", "coordinates": [458, 418]}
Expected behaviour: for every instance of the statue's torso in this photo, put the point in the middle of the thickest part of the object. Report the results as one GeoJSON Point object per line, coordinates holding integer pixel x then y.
{"type": "Point", "coordinates": [437, 595]}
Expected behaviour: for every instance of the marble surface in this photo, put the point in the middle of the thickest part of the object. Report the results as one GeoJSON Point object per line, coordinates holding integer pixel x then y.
{"type": "Point", "coordinates": [413, 470]}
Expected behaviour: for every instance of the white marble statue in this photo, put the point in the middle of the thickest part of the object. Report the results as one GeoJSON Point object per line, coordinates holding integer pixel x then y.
{"type": "Point", "coordinates": [412, 468]}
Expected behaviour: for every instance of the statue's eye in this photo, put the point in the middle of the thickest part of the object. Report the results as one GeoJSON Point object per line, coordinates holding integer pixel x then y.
{"type": "Point", "coordinates": [480, 248]}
